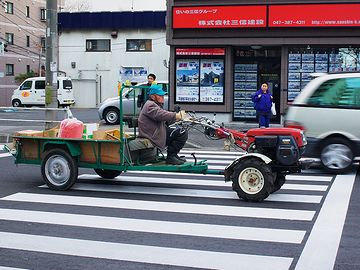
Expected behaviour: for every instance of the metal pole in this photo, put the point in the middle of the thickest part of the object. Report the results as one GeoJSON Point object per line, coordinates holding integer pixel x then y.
{"type": "Point", "coordinates": [51, 61]}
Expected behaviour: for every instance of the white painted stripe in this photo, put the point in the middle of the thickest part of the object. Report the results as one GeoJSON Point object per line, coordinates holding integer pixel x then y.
{"type": "Point", "coordinates": [304, 187]}
{"type": "Point", "coordinates": [10, 268]}
{"type": "Point", "coordinates": [174, 174]}
{"type": "Point", "coordinates": [290, 177]}
{"type": "Point", "coordinates": [214, 194]}
{"type": "Point", "coordinates": [211, 152]}
{"type": "Point", "coordinates": [328, 227]}
{"type": "Point", "coordinates": [2, 147]}
{"type": "Point", "coordinates": [182, 181]}
{"type": "Point", "coordinates": [138, 253]}
{"type": "Point", "coordinates": [155, 226]}
{"type": "Point", "coordinates": [218, 210]}
{"type": "Point", "coordinates": [214, 156]}
{"type": "Point", "coordinates": [186, 181]}
{"type": "Point", "coordinates": [305, 177]}
{"type": "Point", "coordinates": [214, 167]}
{"type": "Point", "coordinates": [5, 155]}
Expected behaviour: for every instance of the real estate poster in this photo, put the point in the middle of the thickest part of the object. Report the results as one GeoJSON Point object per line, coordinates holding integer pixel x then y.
{"type": "Point", "coordinates": [187, 80]}
{"type": "Point", "coordinates": [212, 80]}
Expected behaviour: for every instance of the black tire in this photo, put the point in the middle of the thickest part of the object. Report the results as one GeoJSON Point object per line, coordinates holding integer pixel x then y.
{"type": "Point", "coordinates": [59, 169]}
{"type": "Point", "coordinates": [336, 155]}
{"type": "Point", "coordinates": [279, 182]}
{"type": "Point", "coordinates": [16, 103]}
{"type": "Point", "coordinates": [252, 180]}
{"type": "Point", "coordinates": [112, 116]}
{"type": "Point", "coordinates": [108, 174]}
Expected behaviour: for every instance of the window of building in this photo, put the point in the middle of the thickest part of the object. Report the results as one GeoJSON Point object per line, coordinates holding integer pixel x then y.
{"type": "Point", "coordinates": [9, 7]}
{"type": "Point", "coordinates": [98, 45]}
{"type": "Point", "coordinates": [27, 12]}
{"type": "Point", "coordinates": [43, 14]}
{"type": "Point", "coordinates": [302, 62]}
{"type": "Point", "coordinates": [344, 92]}
{"type": "Point", "coordinates": [27, 41]}
{"type": "Point", "coordinates": [138, 45]}
{"type": "Point", "coordinates": [9, 38]}
{"type": "Point", "coordinates": [9, 70]}
{"type": "Point", "coordinates": [42, 42]}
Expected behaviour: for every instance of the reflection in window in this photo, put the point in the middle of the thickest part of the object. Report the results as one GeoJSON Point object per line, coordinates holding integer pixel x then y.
{"type": "Point", "coordinates": [138, 45]}
{"type": "Point", "coordinates": [26, 85]}
{"type": "Point", "coordinates": [338, 92]}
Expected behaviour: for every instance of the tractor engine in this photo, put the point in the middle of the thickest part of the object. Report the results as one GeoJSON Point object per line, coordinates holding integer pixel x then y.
{"type": "Point", "coordinates": [282, 149]}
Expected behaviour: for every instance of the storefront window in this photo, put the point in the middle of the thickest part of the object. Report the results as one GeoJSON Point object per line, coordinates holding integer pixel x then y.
{"type": "Point", "coordinates": [200, 78]}
{"type": "Point", "coordinates": [303, 62]}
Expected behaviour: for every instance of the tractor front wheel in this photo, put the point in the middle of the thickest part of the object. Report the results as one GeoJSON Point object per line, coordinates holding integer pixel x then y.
{"type": "Point", "coordinates": [252, 180]}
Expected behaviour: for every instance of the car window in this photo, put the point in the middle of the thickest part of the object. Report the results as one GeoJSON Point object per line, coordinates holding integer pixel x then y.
{"type": "Point", "coordinates": [26, 85]}
{"type": "Point", "coordinates": [39, 84]}
{"type": "Point", "coordinates": [344, 92]}
{"type": "Point", "coordinates": [67, 84]}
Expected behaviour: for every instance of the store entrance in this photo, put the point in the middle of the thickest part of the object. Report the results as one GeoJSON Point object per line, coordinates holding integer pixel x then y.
{"type": "Point", "coordinates": [252, 68]}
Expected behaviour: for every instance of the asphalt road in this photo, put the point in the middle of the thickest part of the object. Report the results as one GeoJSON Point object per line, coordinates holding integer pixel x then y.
{"type": "Point", "coordinates": [163, 221]}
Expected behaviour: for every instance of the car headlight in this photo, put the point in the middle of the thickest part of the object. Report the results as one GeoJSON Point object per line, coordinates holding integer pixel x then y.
{"type": "Point", "coordinates": [303, 137]}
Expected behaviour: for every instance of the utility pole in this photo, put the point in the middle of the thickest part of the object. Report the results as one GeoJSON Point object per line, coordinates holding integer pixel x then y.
{"type": "Point", "coordinates": [51, 61]}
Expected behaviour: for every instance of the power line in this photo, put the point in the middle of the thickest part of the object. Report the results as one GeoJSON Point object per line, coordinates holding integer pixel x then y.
{"type": "Point", "coordinates": [19, 26]}
{"type": "Point", "coordinates": [23, 18]}
{"type": "Point", "coordinates": [23, 48]}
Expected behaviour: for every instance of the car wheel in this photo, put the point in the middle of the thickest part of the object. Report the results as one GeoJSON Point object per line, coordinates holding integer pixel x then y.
{"type": "Point", "coordinates": [336, 155]}
{"type": "Point", "coordinates": [16, 103]}
{"type": "Point", "coordinates": [111, 116]}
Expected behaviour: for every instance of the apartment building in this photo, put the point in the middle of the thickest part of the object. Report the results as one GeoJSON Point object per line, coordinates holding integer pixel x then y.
{"type": "Point", "coordinates": [22, 28]}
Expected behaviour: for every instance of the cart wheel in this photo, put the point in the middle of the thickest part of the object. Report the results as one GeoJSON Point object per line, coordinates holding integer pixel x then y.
{"type": "Point", "coordinates": [109, 174]}
{"type": "Point", "coordinates": [252, 180]}
{"type": "Point", "coordinates": [59, 169]}
{"type": "Point", "coordinates": [279, 182]}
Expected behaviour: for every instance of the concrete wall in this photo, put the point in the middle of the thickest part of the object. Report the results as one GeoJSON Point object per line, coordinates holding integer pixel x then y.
{"type": "Point", "coordinates": [104, 67]}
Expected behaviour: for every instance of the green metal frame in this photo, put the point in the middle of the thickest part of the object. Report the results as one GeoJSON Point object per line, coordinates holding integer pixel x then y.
{"type": "Point", "coordinates": [73, 146]}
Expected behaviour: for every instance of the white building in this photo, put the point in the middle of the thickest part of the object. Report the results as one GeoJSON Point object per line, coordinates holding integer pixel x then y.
{"type": "Point", "coordinates": [96, 49]}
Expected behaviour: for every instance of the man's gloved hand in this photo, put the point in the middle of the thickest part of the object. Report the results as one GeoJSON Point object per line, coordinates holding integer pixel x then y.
{"type": "Point", "coordinates": [180, 115]}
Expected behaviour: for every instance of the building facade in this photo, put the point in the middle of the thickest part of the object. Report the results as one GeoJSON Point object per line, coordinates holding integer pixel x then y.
{"type": "Point", "coordinates": [221, 51]}
{"type": "Point", "coordinates": [22, 29]}
{"type": "Point", "coordinates": [100, 49]}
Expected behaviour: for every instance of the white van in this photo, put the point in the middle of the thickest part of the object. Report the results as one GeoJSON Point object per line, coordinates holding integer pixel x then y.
{"type": "Point", "coordinates": [32, 92]}
{"type": "Point", "coordinates": [328, 110]}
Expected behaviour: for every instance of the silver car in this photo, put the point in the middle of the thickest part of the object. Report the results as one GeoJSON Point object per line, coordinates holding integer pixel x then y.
{"type": "Point", "coordinates": [328, 110]}
{"type": "Point", "coordinates": [109, 109]}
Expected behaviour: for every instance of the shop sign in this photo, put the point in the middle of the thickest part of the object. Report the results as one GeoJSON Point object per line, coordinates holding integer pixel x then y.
{"type": "Point", "coordinates": [200, 51]}
{"type": "Point", "coordinates": [219, 17]}
{"type": "Point", "coordinates": [314, 15]}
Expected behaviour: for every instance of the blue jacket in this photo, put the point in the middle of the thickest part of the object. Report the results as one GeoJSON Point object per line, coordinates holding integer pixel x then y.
{"type": "Point", "coordinates": [262, 104]}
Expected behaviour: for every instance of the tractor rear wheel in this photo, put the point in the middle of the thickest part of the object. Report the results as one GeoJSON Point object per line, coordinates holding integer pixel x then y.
{"type": "Point", "coordinates": [252, 180]}
{"type": "Point", "coordinates": [279, 182]}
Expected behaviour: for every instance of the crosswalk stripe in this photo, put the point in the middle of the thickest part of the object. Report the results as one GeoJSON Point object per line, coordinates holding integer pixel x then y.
{"type": "Point", "coordinates": [186, 181]}
{"type": "Point", "coordinates": [225, 157]}
{"type": "Point", "coordinates": [290, 177]}
{"type": "Point", "coordinates": [208, 152]}
{"type": "Point", "coordinates": [217, 210]}
{"type": "Point", "coordinates": [309, 178]}
{"type": "Point", "coordinates": [323, 234]}
{"type": "Point", "coordinates": [154, 226]}
{"type": "Point", "coordinates": [10, 268]}
{"type": "Point", "coordinates": [214, 194]}
{"type": "Point", "coordinates": [138, 253]}
{"type": "Point", "coordinates": [5, 155]}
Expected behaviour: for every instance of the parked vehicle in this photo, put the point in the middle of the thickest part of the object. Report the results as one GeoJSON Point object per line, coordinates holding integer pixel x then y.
{"type": "Point", "coordinates": [328, 110]}
{"type": "Point", "coordinates": [32, 92]}
{"type": "Point", "coordinates": [109, 109]}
